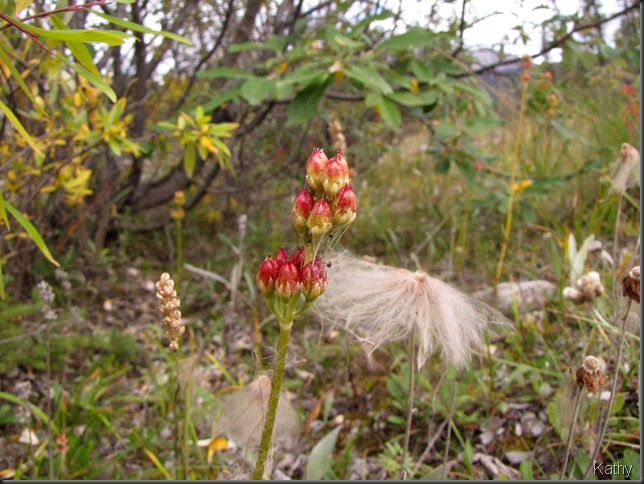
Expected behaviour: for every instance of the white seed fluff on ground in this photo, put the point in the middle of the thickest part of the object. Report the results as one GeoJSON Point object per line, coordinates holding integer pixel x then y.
{"type": "Point", "coordinates": [383, 303]}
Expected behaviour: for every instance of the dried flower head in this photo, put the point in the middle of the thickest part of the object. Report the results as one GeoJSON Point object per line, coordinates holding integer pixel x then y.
{"type": "Point", "coordinates": [46, 292]}
{"type": "Point", "coordinates": [631, 284]}
{"type": "Point", "coordinates": [336, 133]}
{"type": "Point", "coordinates": [385, 304]}
{"type": "Point", "coordinates": [589, 374]}
{"type": "Point", "coordinates": [627, 171]}
{"type": "Point", "coordinates": [169, 305]}
{"type": "Point", "coordinates": [587, 288]}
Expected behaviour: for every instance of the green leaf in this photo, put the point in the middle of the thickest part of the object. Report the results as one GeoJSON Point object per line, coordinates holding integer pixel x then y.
{"type": "Point", "coordinates": [339, 42]}
{"type": "Point", "coordinates": [445, 131]}
{"type": "Point", "coordinates": [388, 112]}
{"type": "Point", "coordinates": [140, 28]}
{"type": "Point", "coordinates": [4, 57]}
{"type": "Point", "coordinates": [189, 159]}
{"type": "Point", "coordinates": [305, 103]}
{"type": "Point", "coordinates": [412, 39]}
{"type": "Point", "coordinates": [32, 231]}
{"type": "Point", "coordinates": [79, 51]}
{"type": "Point", "coordinates": [19, 127]}
{"type": "Point", "coordinates": [225, 72]}
{"type": "Point", "coordinates": [422, 71]}
{"type": "Point", "coordinates": [109, 37]}
{"type": "Point", "coordinates": [242, 46]}
{"type": "Point", "coordinates": [303, 75]}
{"type": "Point", "coordinates": [3, 212]}
{"type": "Point", "coordinates": [2, 291]}
{"type": "Point", "coordinates": [384, 15]}
{"type": "Point", "coordinates": [525, 467]}
{"type": "Point", "coordinates": [218, 100]}
{"type": "Point", "coordinates": [320, 458]}
{"type": "Point", "coordinates": [257, 89]}
{"type": "Point", "coordinates": [481, 124]}
{"type": "Point", "coordinates": [368, 77]}
{"type": "Point", "coordinates": [10, 397]}
{"type": "Point", "coordinates": [95, 80]}
{"type": "Point", "coordinates": [406, 98]}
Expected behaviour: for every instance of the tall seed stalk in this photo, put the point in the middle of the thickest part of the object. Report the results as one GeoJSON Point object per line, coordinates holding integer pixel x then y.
{"type": "Point", "coordinates": [321, 213]}
{"type": "Point", "coordinates": [525, 79]}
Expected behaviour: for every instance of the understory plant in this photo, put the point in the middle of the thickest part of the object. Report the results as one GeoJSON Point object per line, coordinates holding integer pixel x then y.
{"type": "Point", "coordinates": [322, 211]}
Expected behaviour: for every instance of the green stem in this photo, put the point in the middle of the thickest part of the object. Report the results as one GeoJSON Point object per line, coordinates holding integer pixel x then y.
{"type": "Point", "coordinates": [571, 433]}
{"type": "Point", "coordinates": [513, 178]}
{"type": "Point", "coordinates": [178, 444]}
{"type": "Point", "coordinates": [273, 399]}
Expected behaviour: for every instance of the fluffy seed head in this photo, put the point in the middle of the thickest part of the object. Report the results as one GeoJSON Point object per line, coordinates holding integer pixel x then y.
{"type": "Point", "coordinates": [383, 304]}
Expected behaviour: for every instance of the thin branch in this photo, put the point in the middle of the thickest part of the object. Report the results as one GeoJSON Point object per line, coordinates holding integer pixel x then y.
{"type": "Point", "coordinates": [461, 31]}
{"type": "Point", "coordinates": [553, 45]}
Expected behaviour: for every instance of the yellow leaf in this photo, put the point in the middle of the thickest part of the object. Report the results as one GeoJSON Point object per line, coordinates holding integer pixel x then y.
{"type": "Point", "coordinates": [414, 85]}
{"type": "Point", "coordinates": [522, 185]}
{"type": "Point", "coordinates": [21, 5]}
{"type": "Point", "coordinates": [216, 445]}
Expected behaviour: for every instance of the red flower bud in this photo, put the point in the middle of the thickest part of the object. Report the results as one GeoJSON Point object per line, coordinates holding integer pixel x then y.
{"type": "Point", "coordinates": [344, 206]}
{"type": "Point", "coordinates": [298, 258]}
{"type": "Point", "coordinates": [288, 281]}
{"type": "Point", "coordinates": [282, 256]}
{"type": "Point", "coordinates": [336, 175]}
{"type": "Point", "coordinates": [319, 222]}
{"type": "Point", "coordinates": [267, 275]}
{"type": "Point", "coordinates": [315, 167]}
{"type": "Point", "coordinates": [302, 207]}
{"type": "Point", "coordinates": [314, 279]}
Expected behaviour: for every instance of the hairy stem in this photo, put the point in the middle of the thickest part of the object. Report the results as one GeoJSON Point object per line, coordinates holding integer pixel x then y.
{"type": "Point", "coordinates": [273, 400]}
{"type": "Point", "coordinates": [410, 406]}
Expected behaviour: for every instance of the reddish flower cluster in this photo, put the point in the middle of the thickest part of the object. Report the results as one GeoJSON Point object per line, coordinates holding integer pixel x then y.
{"type": "Point", "coordinates": [327, 202]}
{"type": "Point", "coordinates": [322, 209]}
{"type": "Point", "coordinates": [287, 276]}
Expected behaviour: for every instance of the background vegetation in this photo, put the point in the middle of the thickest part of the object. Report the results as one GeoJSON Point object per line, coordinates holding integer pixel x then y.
{"type": "Point", "coordinates": [141, 137]}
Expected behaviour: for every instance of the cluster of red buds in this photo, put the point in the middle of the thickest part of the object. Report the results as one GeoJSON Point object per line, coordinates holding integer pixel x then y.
{"type": "Point", "coordinates": [322, 210]}
{"type": "Point", "coordinates": [327, 204]}
{"type": "Point", "coordinates": [288, 276]}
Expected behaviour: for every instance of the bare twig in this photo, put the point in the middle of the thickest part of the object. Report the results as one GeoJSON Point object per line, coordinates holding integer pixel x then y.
{"type": "Point", "coordinates": [554, 44]}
